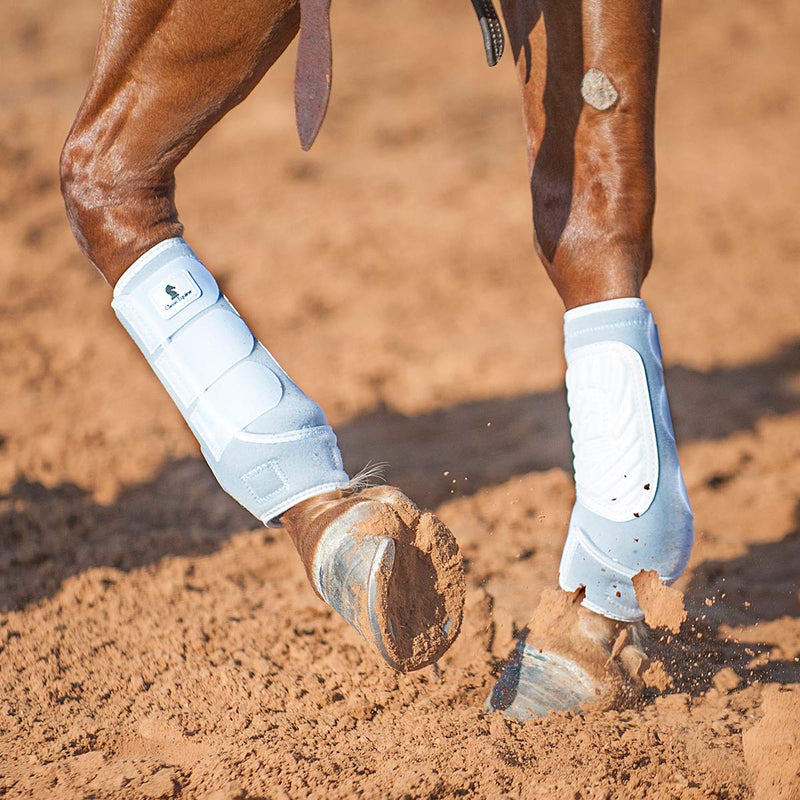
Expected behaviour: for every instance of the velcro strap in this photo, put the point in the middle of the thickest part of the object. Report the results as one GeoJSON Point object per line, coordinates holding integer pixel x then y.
{"type": "Point", "coordinates": [202, 352]}
{"type": "Point", "coordinates": [240, 396]}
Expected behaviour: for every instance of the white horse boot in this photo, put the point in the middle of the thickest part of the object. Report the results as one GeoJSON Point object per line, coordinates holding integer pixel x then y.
{"type": "Point", "coordinates": [270, 446]}
{"type": "Point", "coordinates": [632, 511]}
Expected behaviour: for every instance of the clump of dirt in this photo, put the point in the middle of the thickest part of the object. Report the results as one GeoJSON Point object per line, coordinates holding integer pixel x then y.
{"type": "Point", "coordinates": [425, 597]}
{"type": "Point", "coordinates": [662, 605]}
{"type": "Point", "coordinates": [726, 680]}
{"type": "Point", "coordinates": [556, 615]}
{"type": "Point", "coordinates": [656, 677]}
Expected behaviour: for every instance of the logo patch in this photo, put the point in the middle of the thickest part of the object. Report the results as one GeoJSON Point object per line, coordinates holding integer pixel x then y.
{"type": "Point", "coordinates": [171, 295]}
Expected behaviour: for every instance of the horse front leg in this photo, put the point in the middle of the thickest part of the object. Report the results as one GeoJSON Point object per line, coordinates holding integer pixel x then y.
{"type": "Point", "coordinates": [166, 71]}
{"type": "Point", "coordinates": [587, 70]}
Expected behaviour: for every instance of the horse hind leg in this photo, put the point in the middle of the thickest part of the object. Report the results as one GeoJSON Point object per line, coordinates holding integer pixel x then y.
{"type": "Point", "coordinates": [588, 73]}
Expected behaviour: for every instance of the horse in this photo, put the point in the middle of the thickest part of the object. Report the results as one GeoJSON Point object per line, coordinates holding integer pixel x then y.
{"type": "Point", "coordinates": [165, 72]}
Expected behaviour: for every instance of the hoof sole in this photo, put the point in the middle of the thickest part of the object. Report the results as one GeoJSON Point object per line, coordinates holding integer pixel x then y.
{"type": "Point", "coordinates": [403, 592]}
{"type": "Point", "coordinates": [533, 683]}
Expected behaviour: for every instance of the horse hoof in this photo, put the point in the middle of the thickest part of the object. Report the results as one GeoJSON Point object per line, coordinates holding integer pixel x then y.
{"type": "Point", "coordinates": [393, 572]}
{"type": "Point", "coordinates": [351, 572]}
{"type": "Point", "coordinates": [570, 659]}
{"type": "Point", "coordinates": [535, 682]}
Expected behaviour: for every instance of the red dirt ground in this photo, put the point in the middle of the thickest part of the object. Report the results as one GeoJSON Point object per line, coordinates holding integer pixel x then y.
{"type": "Point", "coordinates": [156, 642]}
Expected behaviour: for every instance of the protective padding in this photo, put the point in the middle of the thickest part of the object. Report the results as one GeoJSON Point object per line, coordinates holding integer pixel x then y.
{"type": "Point", "coordinates": [269, 445]}
{"type": "Point", "coordinates": [613, 436]}
{"type": "Point", "coordinates": [631, 510]}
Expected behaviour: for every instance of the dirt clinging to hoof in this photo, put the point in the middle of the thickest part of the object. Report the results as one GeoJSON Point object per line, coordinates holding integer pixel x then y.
{"type": "Point", "coordinates": [609, 651]}
{"type": "Point", "coordinates": [424, 601]}
{"type": "Point", "coordinates": [420, 599]}
{"type": "Point", "coordinates": [662, 605]}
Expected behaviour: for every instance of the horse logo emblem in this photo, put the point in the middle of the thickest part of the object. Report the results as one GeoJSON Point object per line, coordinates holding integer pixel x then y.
{"type": "Point", "coordinates": [171, 291]}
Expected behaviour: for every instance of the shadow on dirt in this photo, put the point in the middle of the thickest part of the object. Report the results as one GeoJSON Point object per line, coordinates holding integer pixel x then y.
{"type": "Point", "coordinates": [759, 586]}
{"type": "Point", "coordinates": [48, 534]}
{"type": "Point", "coordinates": [490, 441]}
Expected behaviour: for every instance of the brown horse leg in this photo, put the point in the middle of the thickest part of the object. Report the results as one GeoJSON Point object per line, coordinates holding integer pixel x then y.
{"type": "Point", "coordinates": [592, 169]}
{"type": "Point", "coordinates": [165, 72]}
{"type": "Point", "coordinates": [588, 74]}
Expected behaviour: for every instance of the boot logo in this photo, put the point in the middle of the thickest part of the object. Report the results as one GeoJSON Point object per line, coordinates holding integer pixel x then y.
{"type": "Point", "coordinates": [173, 293]}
